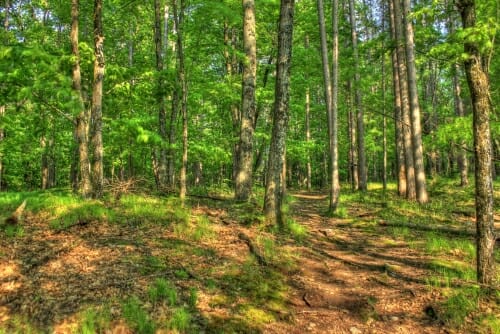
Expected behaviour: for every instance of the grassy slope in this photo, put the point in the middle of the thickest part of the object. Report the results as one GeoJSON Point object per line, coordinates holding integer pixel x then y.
{"type": "Point", "coordinates": [179, 267]}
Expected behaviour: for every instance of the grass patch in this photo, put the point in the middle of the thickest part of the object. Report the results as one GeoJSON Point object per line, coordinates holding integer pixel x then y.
{"type": "Point", "coordinates": [95, 320]}
{"type": "Point", "coordinates": [180, 320]}
{"type": "Point", "coordinates": [136, 317]}
{"type": "Point", "coordinates": [162, 290]}
{"type": "Point", "coordinates": [459, 306]}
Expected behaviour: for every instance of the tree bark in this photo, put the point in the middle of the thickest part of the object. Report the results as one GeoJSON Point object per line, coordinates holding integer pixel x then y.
{"type": "Point", "coordinates": [405, 105]}
{"type": "Point", "coordinates": [273, 194]}
{"type": "Point", "coordinates": [160, 96]}
{"type": "Point", "coordinates": [82, 118]}
{"type": "Point", "coordinates": [96, 113]}
{"type": "Point", "coordinates": [416, 128]}
{"type": "Point", "coordinates": [244, 177]}
{"type": "Point", "coordinates": [360, 125]}
{"type": "Point", "coordinates": [333, 121]}
{"type": "Point", "coordinates": [477, 79]}
{"type": "Point", "coordinates": [333, 202]}
{"type": "Point", "coordinates": [181, 77]}
{"type": "Point", "coordinates": [398, 120]}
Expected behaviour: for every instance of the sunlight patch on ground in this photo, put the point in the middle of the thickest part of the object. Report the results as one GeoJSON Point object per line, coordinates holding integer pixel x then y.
{"type": "Point", "coordinates": [9, 269]}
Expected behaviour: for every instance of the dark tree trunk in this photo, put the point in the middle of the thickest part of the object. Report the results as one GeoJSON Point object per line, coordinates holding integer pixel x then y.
{"type": "Point", "coordinates": [273, 196]}
{"type": "Point", "coordinates": [477, 79]}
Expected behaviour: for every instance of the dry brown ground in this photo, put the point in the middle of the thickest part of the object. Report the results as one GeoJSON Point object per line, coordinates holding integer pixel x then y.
{"type": "Point", "coordinates": [347, 279]}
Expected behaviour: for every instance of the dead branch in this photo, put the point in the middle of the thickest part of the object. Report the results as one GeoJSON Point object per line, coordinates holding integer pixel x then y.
{"type": "Point", "coordinates": [16, 217]}
{"type": "Point", "coordinates": [254, 250]}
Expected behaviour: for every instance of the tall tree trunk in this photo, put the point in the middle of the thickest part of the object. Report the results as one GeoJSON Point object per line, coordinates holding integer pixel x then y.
{"type": "Point", "coordinates": [405, 105]}
{"type": "Point", "coordinates": [244, 177]}
{"type": "Point", "coordinates": [273, 195]}
{"type": "Point", "coordinates": [2, 107]}
{"type": "Point", "coordinates": [96, 113]}
{"type": "Point", "coordinates": [308, 139]}
{"type": "Point", "coordinates": [181, 77]}
{"type": "Point", "coordinates": [160, 95]}
{"type": "Point", "coordinates": [351, 129]}
{"type": "Point", "coordinates": [333, 121]}
{"type": "Point", "coordinates": [477, 79]}
{"type": "Point", "coordinates": [327, 80]}
{"type": "Point", "coordinates": [384, 121]}
{"type": "Point", "coordinates": [416, 128]}
{"type": "Point", "coordinates": [360, 125]}
{"type": "Point", "coordinates": [82, 118]}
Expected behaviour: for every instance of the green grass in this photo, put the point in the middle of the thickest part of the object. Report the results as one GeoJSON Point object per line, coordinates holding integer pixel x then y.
{"type": "Point", "coordinates": [95, 320]}
{"type": "Point", "coordinates": [137, 318]}
{"type": "Point", "coordinates": [180, 320]}
{"type": "Point", "coordinates": [162, 290]}
{"type": "Point", "coordinates": [456, 308]}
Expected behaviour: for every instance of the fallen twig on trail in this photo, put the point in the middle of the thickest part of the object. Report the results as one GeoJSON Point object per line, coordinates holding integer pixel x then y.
{"type": "Point", "coordinates": [254, 250]}
{"type": "Point", "coordinates": [16, 217]}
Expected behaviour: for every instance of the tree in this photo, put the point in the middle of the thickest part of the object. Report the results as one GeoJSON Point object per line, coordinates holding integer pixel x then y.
{"type": "Point", "coordinates": [405, 105]}
{"type": "Point", "coordinates": [416, 131]}
{"type": "Point", "coordinates": [477, 79]}
{"type": "Point", "coordinates": [82, 118]}
{"type": "Point", "coordinates": [360, 123]}
{"type": "Point", "coordinates": [179, 8]}
{"type": "Point", "coordinates": [244, 179]}
{"type": "Point", "coordinates": [273, 194]}
{"type": "Point", "coordinates": [333, 121]}
{"type": "Point", "coordinates": [96, 113]}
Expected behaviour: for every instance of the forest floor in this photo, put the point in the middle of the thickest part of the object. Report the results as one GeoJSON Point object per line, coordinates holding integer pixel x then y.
{"type": "Point", "coordinates": [144, 264]}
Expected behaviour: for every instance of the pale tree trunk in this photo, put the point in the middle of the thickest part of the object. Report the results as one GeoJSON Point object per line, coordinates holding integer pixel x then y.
{"type": "Point", "coordinates": [384, 121]}
{"type": "Point", "coordinates": [308, 127]}
{"type": "Point", "coordinates": [2, 107]}
{"type": "Point", "coordinates": [477, 79]}
{"type": "Point", "coordinates": [244, 177]}
{"type": "Point", "coordinates": [273, 194]}
{"type": "Point", "coordinates": [416, 128]}
{"type": "Point", "coordinates": [360, 126]}
{"type": "Point", "coordinates": [405, 105]}
{"type": "Point", "coordinates": [181, 77]}
{"type": "Point", "coordinates": [96, 113]}
{"type": "Point", "coordinates": [463, 164]}
{"type": "Point", "coordinates": [333, 202]}
{"type": "Point", "coordinates": [333, 124]}
{"type": "Point", "coordinates": [82, 118]}
{"type": "Point", "coordinates": [308, 138]}
{"type": "Point", "coordinates": [351, 129]}
{"type": "Point", "coordinates": [161, 154]}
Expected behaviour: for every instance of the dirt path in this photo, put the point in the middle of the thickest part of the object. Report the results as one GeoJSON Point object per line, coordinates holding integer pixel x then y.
{"type": "Point", "coordinates": [352, 280]}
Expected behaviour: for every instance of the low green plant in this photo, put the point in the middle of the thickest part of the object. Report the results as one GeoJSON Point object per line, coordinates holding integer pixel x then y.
{"type": "Point", "coordinates": [14, 231]}
{"type": "Point", "coordinates": [203, 229]}
{"type": "Point", "coordinates": [162, 290]}
{"type": "Point", "coordinates": [180, 320]}
{"type": "Point", "coordinates": [296, 230]}
{"type": "Point", "coordinates": [193, 297]}
{"type": "Point", "coordinates": [95, 321]}
{"type": "Point", "coordinates": [136, 317]}
{"type": "Point", "coordinates": [459, 305]}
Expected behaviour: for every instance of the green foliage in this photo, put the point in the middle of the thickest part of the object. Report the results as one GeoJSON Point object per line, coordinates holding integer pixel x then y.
{"type": "Point", "coordinates": [180, 320]}
{"type": "Point", "coordinates": [162, 290]}
{"type": "Point", "coordinates": [136, 317]}
{"type": "Point", "coordinates": [459, 305]}
{"type": "Point", "coordinates": [95, 320]}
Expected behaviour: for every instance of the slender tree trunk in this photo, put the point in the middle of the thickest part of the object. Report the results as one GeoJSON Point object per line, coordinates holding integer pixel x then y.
{"type": "Point", "coordinates": [96, 113]}
{"type": "Point", "coordinates": [244, 177]}
{"type": "Point", "coordinates": [329, 107]}
{"type": "Point", "coordinates": [2, 107]}
{"type": "Point", "coordinates": [405, 105]}
{"type": "Point", "coordinates": [384, 121]}
{"type": "Point", "coordinates": [160, 96]}
{"type": "Point", "coordinates": [273, 196]}
{"type": "Point", "coordinates": [398, 120]}
{"type": "Point", "coordinates": [353, 153]}
{"type": "Point", "coordinates": [360, 126]}
{"type": "Point", "coordinates": [181, 73]}
{"type": "Point", "coordinates": [416, 128]}
{"type": "Point", "coordinates": [308, 138]}
{"type": "Point", "coordinates": [333, 124]}
{"type": "Point", "coordinates": [82, 118]}
{"type": "Point", "coordinates": [477, 79]}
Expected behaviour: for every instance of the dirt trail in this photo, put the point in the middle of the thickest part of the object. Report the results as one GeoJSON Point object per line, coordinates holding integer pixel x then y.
{"type": "Point", "coordinates": [352, 280]}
